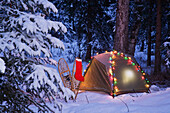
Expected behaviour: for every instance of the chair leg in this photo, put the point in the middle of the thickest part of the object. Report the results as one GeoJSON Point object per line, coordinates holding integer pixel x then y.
{"type": "Point", "coordinates": [76, 93]}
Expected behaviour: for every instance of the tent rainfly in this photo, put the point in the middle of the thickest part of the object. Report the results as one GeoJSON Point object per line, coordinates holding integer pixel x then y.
{"type": "Point", "coordinates": [114, 73]}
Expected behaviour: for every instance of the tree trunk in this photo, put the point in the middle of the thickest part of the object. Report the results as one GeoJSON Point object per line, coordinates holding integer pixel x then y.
{"type": "Point", "coordinates": [89, 34]}
{"type": "Point", "coordinates": [133, 38]}
{"type": "Point", "coordinates": [149, 35]}
{"type": "Point", "coordinates": [122, 19]}
{"type": "Point", "coordinates": [158, 41]}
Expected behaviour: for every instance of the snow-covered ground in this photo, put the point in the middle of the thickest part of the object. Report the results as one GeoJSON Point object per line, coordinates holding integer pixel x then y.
{"type": "Point", "coordinates": [158, 101]}
{"type": "Point", "coordinates": [100, 102]}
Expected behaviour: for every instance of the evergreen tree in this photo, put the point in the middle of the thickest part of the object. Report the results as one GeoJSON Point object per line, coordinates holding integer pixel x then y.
{"type": "Point", "coordinates": [26, 45]}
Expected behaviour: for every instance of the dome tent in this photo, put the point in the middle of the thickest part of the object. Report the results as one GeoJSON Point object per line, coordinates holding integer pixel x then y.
{"type": "Point", "coordinates": [114, 73]}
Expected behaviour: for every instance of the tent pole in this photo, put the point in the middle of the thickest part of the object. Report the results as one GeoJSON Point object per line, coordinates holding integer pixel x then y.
{"type": "Point", "coordinates": [77, 91]}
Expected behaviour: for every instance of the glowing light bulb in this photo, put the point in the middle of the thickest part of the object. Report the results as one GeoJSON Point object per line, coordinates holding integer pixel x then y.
{"type": "Point", "coordinates": [143, 77]}
{"type": "Point", "coordinates": [111, 78]}
{"type": "Point", "coordinates": [115, 82]}
{"type": "Point", "coordinates": [121, 55]}
{"type": "Point", "coordinates": [111, 94]}
{"type": "Point", "coordinates": [116, 89]}
{"type": "Point", "coordinates": [129, 58]}
{"type": "Point", "coordinates": [147, 85]}
{"type": "Point", "coordinates": [144, 74]}
{"type": "Point", "coordinates": [130, 61]}
{"type": "Point", "coordinates": [126, 58]}
{"type": "Point", "coordinates": [115, 79]}
{"type": "Point", "coordinates": [115, 52]}
{"type": "Point", "coordinates": [118, 53]}
{"type": "Point", "coordinates": [110, 58]}
{"type": "Point", "coordinates": [133, 64]}
{"type": "Point", "coordinates": [97, 53]}
{"type": "Point", "coordinates": [105, 51]}
{"type": "Point", "coordinates": [113, 56]}
{"type": "Point", "coordinates": [113, 68]}
{"type": "Point", "coordinates": [84, 70]}
{"type": "Point", "coordinates": [110, 71]}
{"type": "Point", "coordinates": [111, 52]}
{"type": "Point", "coordinates": [113, 62]}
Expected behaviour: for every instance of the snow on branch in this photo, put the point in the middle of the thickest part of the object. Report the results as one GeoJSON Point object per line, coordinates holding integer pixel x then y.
{"type": "Point", "coordinates": [26, 4]}
{"type": "Point", "coordinates": [9, 42]}
{"type": "Point", "coordinates": [36, 40]}
{"type": "Point", "coordinates": [2, 66]}
{"type": "Point", "coordinates": [34, 23]}
{"type": "Point", "coordinates": [43, 75]}
{"type": "Point", "coordinates": [46, 5]}
{"type": "Point", "coordinates": [55, 42]}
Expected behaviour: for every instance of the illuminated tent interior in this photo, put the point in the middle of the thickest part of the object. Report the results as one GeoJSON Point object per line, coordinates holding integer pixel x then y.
{"type": "Point", "coordinates": [114, 73]}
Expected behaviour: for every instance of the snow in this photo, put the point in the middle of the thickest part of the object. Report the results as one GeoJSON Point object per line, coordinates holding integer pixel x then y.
{"type": "Point", "coordinates": [2, 66]}
{"type": "Point", "coordinates": [167, 43]}
{"type": "Point", "coordinates": [33, 23]}
{"type": "Point", "coordinates": [99, 102]}
{"type": "Point", "coordinates": [33, 35]}
{"type": "Point", "coordinates": [153, 33]}
{"type": "Point", "coordinates": [46, 4]}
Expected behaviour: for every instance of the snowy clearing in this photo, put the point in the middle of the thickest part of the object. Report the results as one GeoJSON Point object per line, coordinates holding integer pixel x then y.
{"type": "Point", "coordinates": [100, 102]}
{"type": "Point", "coordinates": [158, 101]}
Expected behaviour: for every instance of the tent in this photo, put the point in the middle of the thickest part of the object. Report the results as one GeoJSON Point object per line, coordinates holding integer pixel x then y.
{"type": "Point", "coordinates": [114, 73]}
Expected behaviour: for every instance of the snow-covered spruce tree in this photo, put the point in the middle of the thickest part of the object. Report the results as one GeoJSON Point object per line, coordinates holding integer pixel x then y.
{"type": "Point", "coordinates": [26, 42]}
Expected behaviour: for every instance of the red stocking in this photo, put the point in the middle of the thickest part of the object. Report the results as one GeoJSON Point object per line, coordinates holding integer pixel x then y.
{"type": "Point", "coordinates": [78, 74]}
